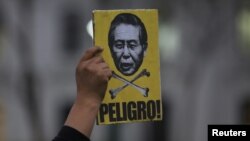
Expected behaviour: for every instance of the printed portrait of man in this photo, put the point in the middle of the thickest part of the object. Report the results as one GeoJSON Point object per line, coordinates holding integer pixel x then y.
{"type": "Point", "coordinates": [127, 39]}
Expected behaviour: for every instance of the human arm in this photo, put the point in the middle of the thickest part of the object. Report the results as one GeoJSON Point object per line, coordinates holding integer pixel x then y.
{"type": "Point", "coordinates": [92, 76]}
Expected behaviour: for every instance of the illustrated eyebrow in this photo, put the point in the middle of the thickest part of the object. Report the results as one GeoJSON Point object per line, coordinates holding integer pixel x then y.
{"type": "Point", "coordinates": [127, 41]}
{"type": "Point", "coordinates": [132, 41]}
{"type": "Point", "coordinates": [119, 41]}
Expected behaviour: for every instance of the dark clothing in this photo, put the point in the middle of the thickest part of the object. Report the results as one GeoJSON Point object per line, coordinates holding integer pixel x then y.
{"type": "Point", "coordinates": [70, 134]}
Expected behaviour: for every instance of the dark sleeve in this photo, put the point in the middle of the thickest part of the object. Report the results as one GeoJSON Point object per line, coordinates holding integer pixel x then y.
{"type": "Point", "coordinates": [70, 134]}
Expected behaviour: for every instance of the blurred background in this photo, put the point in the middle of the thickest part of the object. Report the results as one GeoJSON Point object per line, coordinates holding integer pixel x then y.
{"type": "Point", "coordinates": [205, 67]}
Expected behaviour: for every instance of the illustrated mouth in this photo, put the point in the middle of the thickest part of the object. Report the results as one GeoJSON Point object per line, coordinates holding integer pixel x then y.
{"type": "Point", "coordinates": [126, 66]}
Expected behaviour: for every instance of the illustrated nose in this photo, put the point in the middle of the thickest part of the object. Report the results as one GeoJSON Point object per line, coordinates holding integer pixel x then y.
{"type": "Point", "coordinates": [126, 52]}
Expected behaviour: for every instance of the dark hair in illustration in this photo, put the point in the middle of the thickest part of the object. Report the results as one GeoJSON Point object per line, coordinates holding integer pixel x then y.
{"type": "Point", "coordinates": [131, 19]}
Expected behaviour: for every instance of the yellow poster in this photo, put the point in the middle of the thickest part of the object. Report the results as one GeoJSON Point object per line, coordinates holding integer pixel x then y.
{"type": "Point", "coordinates": [130, 42]}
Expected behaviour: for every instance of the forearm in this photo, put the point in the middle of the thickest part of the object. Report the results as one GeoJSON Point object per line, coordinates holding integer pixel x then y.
{"type": "Point", "coordinates": [92, 75]}
{"type": "Point", "coordinates": [82, 116]}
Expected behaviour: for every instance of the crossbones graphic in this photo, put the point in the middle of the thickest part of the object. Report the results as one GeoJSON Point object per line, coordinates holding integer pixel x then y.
{"type": "Point", "coordinates": [143, 91]}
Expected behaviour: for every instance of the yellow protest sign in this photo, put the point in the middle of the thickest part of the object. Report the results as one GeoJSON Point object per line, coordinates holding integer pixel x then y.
{"type": "Point", "coordinates": [130, 42]}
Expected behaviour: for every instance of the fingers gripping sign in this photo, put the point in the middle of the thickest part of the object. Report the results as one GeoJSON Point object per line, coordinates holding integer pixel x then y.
{"type": "Point", "coordinates": [92, 75]}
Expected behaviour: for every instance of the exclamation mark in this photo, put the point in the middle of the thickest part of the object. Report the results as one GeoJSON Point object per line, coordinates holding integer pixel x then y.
{"type": "Point", "coordinates": [158, 108]}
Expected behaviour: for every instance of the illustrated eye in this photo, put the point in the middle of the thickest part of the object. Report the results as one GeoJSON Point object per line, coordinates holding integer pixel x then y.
{"type": "Point", "coordinates": [132, 45]}
{"type": "Point", "coordinates": [119, 45]}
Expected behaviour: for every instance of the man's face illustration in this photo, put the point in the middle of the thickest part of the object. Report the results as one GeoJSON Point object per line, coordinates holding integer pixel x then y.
{"type": "Point", "coordinates": [127, 50]}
